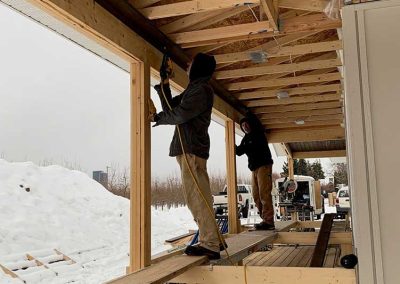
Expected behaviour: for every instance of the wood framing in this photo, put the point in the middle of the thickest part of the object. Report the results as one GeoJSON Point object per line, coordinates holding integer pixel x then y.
{"type": "Point", "coordinates": [290, 167]}
{"type": "Point", "coordinates": [270, 8]}
{"type": "Point", "coordinates": [140, 193]}
{"type": "Point", "coordinates": [266, 275]}
{"type": "Point", "coordinates": [319, 154]}
{"type": "Point", "coordinates": [306, 119]}
{"type": "Point", "coordinates": [306, 135]}
{"type": "Point", "coordinates": [300, 113]}
{"type": "Point", "coordinates": [299, 107]}
{"type": "Point", "coordinates": [282, 68]}
{"type": "Point", "coordinates": [294, 100]}
{"type": "Point", "coordinates": [233, 220]}
{"type": "Point", "coordinates": [284, 81]}
{"type": "Point", "coordinates": [281, 51]}
{"type": "Point", "coordinates": [310, 238]}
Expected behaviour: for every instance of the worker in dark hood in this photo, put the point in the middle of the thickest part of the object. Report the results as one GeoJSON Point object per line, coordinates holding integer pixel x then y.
{"type": "Point", "coordinates": [191, 110]}
{"type": "Point", "coordinates": [255, 145]}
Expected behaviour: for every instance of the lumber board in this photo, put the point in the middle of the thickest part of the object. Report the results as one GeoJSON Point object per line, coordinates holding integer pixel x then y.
{"type": "Point", "coordinates": [319, 78]}
{"type": "Point", "coordinates": [310, 238]}
{"type": "Point", "coordinates": [306, 119]}
{"type": "Point", "coordinates": [306, 135]}
{"type": "Point", "coordinates": [279, 51]}
{"type": "Point", "coordinates": [270, 8]}
{"type": "Point", "coordinates": [322, 241]}
{"type": "Point", "coordinates": [294, 100]}
{"type": "Point", "coordinates": [161, 272]}
{"type": "Point", "coordinates": [299, 107]}
{"type": "Point", "coordinates": [306, 5]}
{"type": "Point", "coordinates": [300, 113]}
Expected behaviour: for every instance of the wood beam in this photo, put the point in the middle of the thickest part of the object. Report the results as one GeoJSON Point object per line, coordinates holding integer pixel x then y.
{"type": "Point", "coordinates": [266, 275]}
{"type": "Point", "coordinates": [233, 220]}
{"type": "Point", "coordinates": [299, 107]}
{"type": "Point", "coordinates": [140, 194]}
{"type": "Point", "coordinates": [310, 238]}
{"type": "Point", "coordinates": [291, 92]}
{"type": "Point", "coordinates": [293, 125]}
{"type": "Point", "coordinates": [293, 100]}
{"type": "Point", "coordinates": [279, 51]}
{"type": "Point", "coordinates": [255, 30]}
{"type": "Point", "coordinates": [300, 113]}
{"type": "Point", "coordinates": [190, 7]}
{"type": "Point", "coordinates": [305, 118]}
{"type": "Point", "coordinates": [319, 154]}
{"type": "Point", "coordinates": [306, 135]}
{"type": "Point", "coordinates": [139, 4]}
{"type": "Point", "coordinates": [319, 78]}
{"type": "Point", "coordinates": [290, 168]}
{"type": "Point", "coordinates": [305, 5]}
{"type": "Point", "coordinates": [271, 10]}
{"type": "Point", "coordinates": [281, 68]}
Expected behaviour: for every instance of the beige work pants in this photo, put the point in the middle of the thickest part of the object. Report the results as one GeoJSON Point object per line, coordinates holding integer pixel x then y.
{"type": "Point", "coordinates": [262, 187]}
{"type": "Point", "coordinates": [208, 236]}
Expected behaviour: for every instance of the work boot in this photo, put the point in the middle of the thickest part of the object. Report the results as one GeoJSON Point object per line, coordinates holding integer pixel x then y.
{"type": "Point", "coordinates": [263, 226]}
{"type": "Point", "coordinates": [221, 246]}
{"type": "Point", "coordinates": [200, 251]}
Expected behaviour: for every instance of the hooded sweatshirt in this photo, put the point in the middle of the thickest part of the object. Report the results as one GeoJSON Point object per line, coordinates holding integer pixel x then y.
{"type": "Point", "coordinates": [254, 144]}
{"type": "Point", "coordinates": [191, 110]}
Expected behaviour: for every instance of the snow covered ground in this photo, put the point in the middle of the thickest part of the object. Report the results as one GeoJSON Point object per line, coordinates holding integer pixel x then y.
{"type": "Point", "coordinates": [47, 208]}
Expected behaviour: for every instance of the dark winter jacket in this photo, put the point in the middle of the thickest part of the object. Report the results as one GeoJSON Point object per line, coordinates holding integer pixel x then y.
{"type": "Point", "coordinates": [191, 110]}
{"type": "Point", "coordinates": [255, 144]}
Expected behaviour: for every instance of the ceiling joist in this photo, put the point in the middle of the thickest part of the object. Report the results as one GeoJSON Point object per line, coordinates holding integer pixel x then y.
{"type": "Point", "coordinates": [306, 119]}
{"type": "Point", "coordinates": [298, 107]}
{"type": "Point", "coordinates": [293, 125]}
{"type": "Point", "coordinates": [270, 8]}
{"type": "Point", "coordinates": [300, 113]}
{"type": "Point", "coordinates": [306, 135]}
{"type": "Point", "coordinates": [295, 100]}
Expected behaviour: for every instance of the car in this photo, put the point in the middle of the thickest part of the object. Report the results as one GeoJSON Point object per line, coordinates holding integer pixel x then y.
{"type": "Point", "coordinates": [244, 198]}
{"type": "Point", "coordinates": [342, 202]}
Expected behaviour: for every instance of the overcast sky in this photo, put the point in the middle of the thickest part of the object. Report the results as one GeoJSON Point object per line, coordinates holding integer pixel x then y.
{"type": "Point", "coordinates": [63, 104]}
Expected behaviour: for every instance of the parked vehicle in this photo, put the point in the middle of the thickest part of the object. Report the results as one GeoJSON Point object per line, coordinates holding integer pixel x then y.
{"type": "Point", "coordinates": [342, 202]}
{"type": "Point", "coordinates": [244, 198]}
{"type": "Point", "coordinates": [306, 193]}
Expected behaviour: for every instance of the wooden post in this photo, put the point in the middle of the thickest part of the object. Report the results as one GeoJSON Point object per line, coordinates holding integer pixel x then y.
{"type": "Point", "coordinates": [140, 190]}
{"type": "Point", "coordinates": [291, 169]}
{"type": "Point", "coordinates": [231, 177]}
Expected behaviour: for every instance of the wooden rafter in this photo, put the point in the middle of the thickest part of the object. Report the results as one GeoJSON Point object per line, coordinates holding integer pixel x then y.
{"type": "Point", "coordinates": [293, 125]}
{"type": "Point", "coordinates": [254, 30]}
{"type": "Point", "coordinates": [306, 5]}
{"type": "Point", "coordinates": [270, 8]}
{"type": "Point", "coordinates": [290, 91]}
{"type": "Point", "coordinates": [140, 4]}
{"type": "Point", "coordinates": [278, 51]}
{"type": "Point", "coordinates": [295, 100]}
{"type": "Point", "coordinates": [285, 81]}
{"type": "Point", "coordinates": [300, 113]}
{"type": "Point", "coordinates": [305, 118]}
{"type": "Point", "coordinates": [306, 135]}
{"type": "Point", "coordinates": [191, 7]}
{"type": "Point", "coordinates": [319, 154]}
{"type": "Point", "coordinates": [298, 107]}
{"type": "Point", "coordinates": [282, 68]}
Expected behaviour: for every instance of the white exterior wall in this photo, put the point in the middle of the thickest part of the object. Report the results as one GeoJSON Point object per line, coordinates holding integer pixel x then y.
{"type": "Point", "coordinates": [371, 34]}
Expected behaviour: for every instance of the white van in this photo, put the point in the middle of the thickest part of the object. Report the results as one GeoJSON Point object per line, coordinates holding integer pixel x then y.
{"type": "Point", "coordinates": [308, 193]}
{"type": "Point", "coordinates": [342, 202]}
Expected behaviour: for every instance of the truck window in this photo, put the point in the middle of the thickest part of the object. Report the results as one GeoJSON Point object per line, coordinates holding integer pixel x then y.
{"type": "Point", "coordinates": [344, 193]}
{"type": "Point", "coordinates": [242, 189]}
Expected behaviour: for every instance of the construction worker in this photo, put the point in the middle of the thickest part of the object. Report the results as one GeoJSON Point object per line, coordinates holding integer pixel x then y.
{"type": "Point", "coordinates": [255, 145]}
{"type": "Point", "coordinates": [191, 111]}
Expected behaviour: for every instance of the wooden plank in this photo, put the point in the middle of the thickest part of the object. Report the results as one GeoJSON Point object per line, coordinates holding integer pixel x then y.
{"type": "Point", "coordinates": [294, 100]}
{"type": "Point", "coordinates": [190, 7]}
{"type": "Point", "coordinates": [284, 255]}
{"type": "Point", "coordinates": [330, 257]}
{"type": "Point", "coordinates": [233, 218]}
{"type": "Point", "coordinates": [161, 272]}
{"type": "Point", "coordinates": [284, 81]}
{"type": "Point", "coordinates": [300, 113]}
{"type": "Point", "coordinates": [266, 275]}
{"type": "Point", "coordinates": [299, 107]}
{"type": "Point", "coordinates": [279, 51]}
{"type": "Point", "coordinates": [281, 68]}
{"type": "Point", "coordinates": [306, 258]}
{"type": "Point", "coordinates": [291, 257]}
{"type": "Point", "coordinates": [290, 168]}
{"type": "Point", "coordinates": [308, 124]}
{"type": "Point", "coordinates": [306, 119]}
{"type": "Point", "coordinates": [306, 5]}
{"type": "Point", "coordinates": [287, 136]}
{"type": "Point", "coordinates": [322, 241]}
{"type": "Point", "coordinates": [290, 91]}
{"type": "Point", "coordinates": [139, 4]}
{"type": "Point", "coordinates": [140, 221]}
{"type": "Point", "coordinates": [271, 10]}
{"type": "Point", "coordinates": [266, 255]}
{"type": "Point", "coordinates": [257, 30]}
{"type": "Point", "coordinates": [319, 154]}
{"type": "Point", "coordinates": [310, 238]}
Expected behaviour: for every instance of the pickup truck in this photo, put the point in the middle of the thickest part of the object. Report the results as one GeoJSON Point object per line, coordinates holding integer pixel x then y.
{"type": "Point", "coordinates": [244, 198]}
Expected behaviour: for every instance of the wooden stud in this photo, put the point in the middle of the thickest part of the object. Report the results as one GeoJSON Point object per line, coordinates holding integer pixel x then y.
{"type": "Point", "coordinates": [231, 177]}
{"type": "Point", "coordinates": [271, 11]}
{"type": "Point", "coordinates": [190, 7]}
{"type": "Point", "coordinates": [282, 68]}
{"type": "Point", "coordinates": [140, 193]}
{"type": "Point", "coordinates": [285, 81]}
{"type": "Point", "coordinates": [300, 49]}
{"type": "Point", "coordinates": [306, 5]}
{"type": "Point", "coordinates": [290, 168]}
{"type": "Point", "coordinates": [297, 107]}
{"type": "Point", "coordinates": [319, 154]}
{"type": "Point", "coordinates": [306, 135]}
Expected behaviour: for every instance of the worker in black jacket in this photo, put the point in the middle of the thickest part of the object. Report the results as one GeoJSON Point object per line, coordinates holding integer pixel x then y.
{"type": "Point", "coordinates": [191, 111]}
{"type": "Point", "coordinates": [255, 145]}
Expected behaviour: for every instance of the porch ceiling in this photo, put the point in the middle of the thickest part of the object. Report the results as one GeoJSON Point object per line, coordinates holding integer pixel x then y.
{"type": "Point", "coordinates": [296, 43]}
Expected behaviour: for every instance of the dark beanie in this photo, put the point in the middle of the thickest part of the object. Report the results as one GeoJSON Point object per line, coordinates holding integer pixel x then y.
{"type": "Point", "coordinates": [203, 65]}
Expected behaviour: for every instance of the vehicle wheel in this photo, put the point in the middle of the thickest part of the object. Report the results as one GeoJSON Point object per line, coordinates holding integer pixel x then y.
{"type": "Point", "coordinates": [245, 210]}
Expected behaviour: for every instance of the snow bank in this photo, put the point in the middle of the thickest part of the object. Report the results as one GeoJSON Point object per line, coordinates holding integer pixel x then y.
{"type": "Point", "coordinates": [45, 208]}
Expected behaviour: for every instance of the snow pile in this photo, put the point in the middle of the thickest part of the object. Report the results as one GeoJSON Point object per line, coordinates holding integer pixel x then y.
{"type": "Point", "coordinates": [46, 208]}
